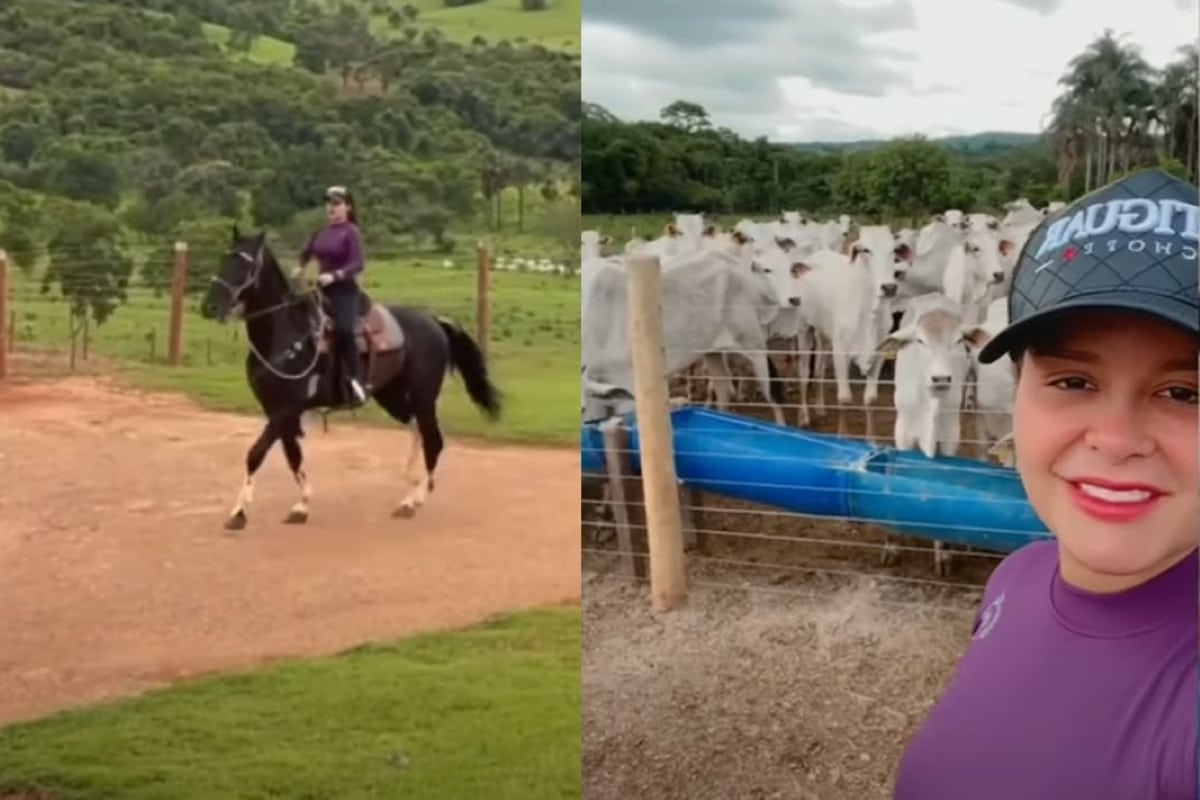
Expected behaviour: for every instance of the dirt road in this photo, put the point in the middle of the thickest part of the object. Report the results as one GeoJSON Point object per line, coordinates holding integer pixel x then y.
{"type": "Point", "coordinates": [116, 576]}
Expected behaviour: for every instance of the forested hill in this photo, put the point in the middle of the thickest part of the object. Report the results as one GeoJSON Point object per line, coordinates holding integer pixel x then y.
{"type": "Point", "coordinates": [988, 143]}
{"type": "Point", "coordinates": [143, 120]}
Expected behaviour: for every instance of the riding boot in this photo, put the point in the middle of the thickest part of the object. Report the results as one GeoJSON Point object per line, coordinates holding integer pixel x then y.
{"type": "Point", "coordinates": [355, 394]}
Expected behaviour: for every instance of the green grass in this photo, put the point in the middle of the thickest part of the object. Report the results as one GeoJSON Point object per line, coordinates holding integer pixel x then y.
{"type": "Point", "coordinates": [534, 348]}
{"type": "Point", "coordinates": [621, 227]}
{"type": "Point", "coordinates": [557, 27]}
{"type": "Point", "coordinates": [491, 711]}
{"type": "Point", "coordinates": [265, 50]}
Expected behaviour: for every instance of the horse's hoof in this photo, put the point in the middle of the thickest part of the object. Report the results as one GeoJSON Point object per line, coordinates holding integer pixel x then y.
{"type": "Point", "coordinates": [295, 517]}
{"type": "Point", "coordinates": [237, 522]}
{"type": "Point", "coordinates": [405, 512]}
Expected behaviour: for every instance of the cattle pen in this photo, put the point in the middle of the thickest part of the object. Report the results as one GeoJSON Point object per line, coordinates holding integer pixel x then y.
{"type": "Point", "coordinates": [800, 650]}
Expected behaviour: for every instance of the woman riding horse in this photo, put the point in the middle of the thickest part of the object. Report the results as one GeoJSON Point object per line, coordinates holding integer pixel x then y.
{"type": "Point", "coordinates": [339, 253]}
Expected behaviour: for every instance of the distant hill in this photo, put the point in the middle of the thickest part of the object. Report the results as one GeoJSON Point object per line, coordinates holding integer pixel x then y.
{"type": "Point", "coordinates": [555, 27]}
{"type": "Point", "coordinates": [985, 143]}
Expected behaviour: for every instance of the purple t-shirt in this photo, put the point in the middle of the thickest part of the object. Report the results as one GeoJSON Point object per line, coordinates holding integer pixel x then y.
{"type": "Point", "coordinates": [1067, 695]}
{"type": "Point", "coordinates": [337, 246]}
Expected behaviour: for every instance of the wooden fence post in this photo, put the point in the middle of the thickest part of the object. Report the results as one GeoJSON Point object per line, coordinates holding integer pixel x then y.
{"type": "Point", "coordinates": [664, 523]}
{"type": "Point", "coordinates": [178, 285]}
{"type": "Point", "coordinates": [625, 498]}
{"type": "Point", "coordinates": [483, 296]}
{"type": "Point", "coordinates": [5, 331]}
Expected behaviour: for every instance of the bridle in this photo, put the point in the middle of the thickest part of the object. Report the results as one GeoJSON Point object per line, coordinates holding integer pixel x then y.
{"type": "Point", "coordinates": [235, 293]}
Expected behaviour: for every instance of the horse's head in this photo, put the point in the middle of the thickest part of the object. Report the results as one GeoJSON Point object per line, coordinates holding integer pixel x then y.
{"type": "Point", "coordinates": [246, 274]}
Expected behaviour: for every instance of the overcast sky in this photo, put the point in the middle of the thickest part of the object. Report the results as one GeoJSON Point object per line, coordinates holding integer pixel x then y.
{"type": "Point", "coordinates": [838, 70]}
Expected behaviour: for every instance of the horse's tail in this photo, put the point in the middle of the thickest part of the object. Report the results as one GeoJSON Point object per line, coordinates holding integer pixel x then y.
{"type": "Point", "coordinates": [466, 357]}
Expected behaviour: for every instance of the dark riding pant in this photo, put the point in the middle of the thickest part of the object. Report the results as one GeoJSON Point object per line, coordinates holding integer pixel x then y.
{"type": "Point", "coordinates": [343, 305]}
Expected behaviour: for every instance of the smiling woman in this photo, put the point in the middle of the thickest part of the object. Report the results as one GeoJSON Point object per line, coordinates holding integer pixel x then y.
{"type": "Point", "coordinates": [1087, 644]}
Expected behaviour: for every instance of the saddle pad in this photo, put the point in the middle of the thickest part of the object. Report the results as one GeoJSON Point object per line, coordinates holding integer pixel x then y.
{"type": "Point", "coordinates": [382, 327]}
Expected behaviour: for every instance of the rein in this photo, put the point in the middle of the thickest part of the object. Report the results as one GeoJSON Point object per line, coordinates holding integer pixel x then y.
{"type": "Point", "coordinates": [252, 280]}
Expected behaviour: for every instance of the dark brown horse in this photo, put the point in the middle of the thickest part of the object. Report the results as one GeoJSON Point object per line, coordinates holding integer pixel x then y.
{"type": "Point", "coordinates": [407, 353]}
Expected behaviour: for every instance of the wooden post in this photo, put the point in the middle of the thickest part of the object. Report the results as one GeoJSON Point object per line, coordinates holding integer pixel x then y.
{"type": "Point", "coordinates": [624, 492]}
{"type": "Point", "coordinates": [668, 582]}
{"type": "Point", "coordinates": [74, 329]}
{"type": "Point", "coordinates": [5, 332]}
{"type": "Point", "coordinates": [178, 285]}
{"type": "Point", "coordinates": [483, 296]}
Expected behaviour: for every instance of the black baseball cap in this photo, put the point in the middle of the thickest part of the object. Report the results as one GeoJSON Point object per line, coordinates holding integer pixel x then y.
{"type": "Point", "coordinates": [1129, 246]}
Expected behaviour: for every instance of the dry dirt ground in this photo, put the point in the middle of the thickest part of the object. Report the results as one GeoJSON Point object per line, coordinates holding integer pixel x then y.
{"type": "Point", "coordinates": [116, 575]}
{"type": "Point", "coordinates": [798, 669]}
{"type": "Point", "coordinates": [808, 693]}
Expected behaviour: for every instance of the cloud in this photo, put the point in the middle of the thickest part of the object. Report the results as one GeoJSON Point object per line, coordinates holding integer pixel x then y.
{"type": "Point", "coordinates": [850, 69]}
{"type": "Point", "coordinates": [730, 57]}
{"type": "Point", "coordinates": [1042, 6]}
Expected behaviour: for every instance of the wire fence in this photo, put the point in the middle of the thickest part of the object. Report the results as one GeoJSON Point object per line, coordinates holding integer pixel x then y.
{"type": "Point", "coordinates": [155, 317]}
{"type": "Point", "coordinates": [765, 507]}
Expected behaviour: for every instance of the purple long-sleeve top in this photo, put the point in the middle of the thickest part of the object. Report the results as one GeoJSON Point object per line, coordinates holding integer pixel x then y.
{"type": "Point", "coordinates": [338, 250]}
{"type": "Point", "coordinates": [1065, 694]}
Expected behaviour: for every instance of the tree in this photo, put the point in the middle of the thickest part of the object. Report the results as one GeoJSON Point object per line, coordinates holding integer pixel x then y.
{"type": "Point", "coordinates": [128, 105]}
{"type": "Point", "coordinates": [88, 260]}
{"type": "Point", "coordinates": [1115, 114]}
{"type": "Point", "coordinates": [212, 187]}
{"type": "Point", "coordinates": [208, 241]}
{"type": "Point", "coordinates": [430, 220]}
{"type": "Point", "coordinates": [20, 226]}
{"type": "Point", "coordinates": [683, 114]}
{"type": "Point", "coordinates": [1107, 110]}
{"type": "Point", "coordinates": [19, 141]}
{"type": "Point", "coordinates": [87, 175]}
{"type": "Point", "coordinates": [908, 177]}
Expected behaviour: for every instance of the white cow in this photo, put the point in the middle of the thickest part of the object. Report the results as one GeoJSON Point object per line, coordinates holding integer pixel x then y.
{"type": "Point", "coordinates": [779, 261]}
{"type": "Point", "coordinates": [932, 358]}
{"type": "Point", "coordinates": [923, 266]}
{"type": "Point", "coordinates": [953, 217]}
{"type": "Point", "coordinates": [1017, 234]}
{"type": "Point", "coordinates": [847, 300]}
{"type": "Point", "coordinates": [592, 244]}
{"type": "Point", "coordinates": [907, 237]}
{"type": "Point", "coordinates": [981, 221]}
{"type": "Point", "coordinates": [712, 304]}
{"type": "Point", "coordinates": [974, 273]}
{"type": "Point", "coordinates": [682, 236]}
{"type": "Point", "coordinates": [1020, 212]}
{"type": "Point", "coordinates": [996, 383]}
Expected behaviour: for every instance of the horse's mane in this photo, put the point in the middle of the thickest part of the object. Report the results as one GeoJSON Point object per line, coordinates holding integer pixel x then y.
{"type": "Point", "coordinates": [305, 300]}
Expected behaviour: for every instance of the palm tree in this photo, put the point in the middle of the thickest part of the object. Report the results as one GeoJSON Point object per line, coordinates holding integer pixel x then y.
{"type": "Point", "coordinates": [1109, 109]}
{"type": "Point", "coordinates": [1176, 98]}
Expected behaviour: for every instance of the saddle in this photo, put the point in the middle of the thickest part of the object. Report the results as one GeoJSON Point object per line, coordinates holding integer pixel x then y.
{"type": "Point", "coordinates": [375, 329]}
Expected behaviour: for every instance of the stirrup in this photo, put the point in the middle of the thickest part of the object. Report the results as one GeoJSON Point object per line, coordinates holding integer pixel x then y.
{"type": "Point", "coordinates": [358, 394]}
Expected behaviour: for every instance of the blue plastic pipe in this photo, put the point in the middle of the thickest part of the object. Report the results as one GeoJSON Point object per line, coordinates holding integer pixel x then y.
{"type": "Point", "coordinates": [957, 500]}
